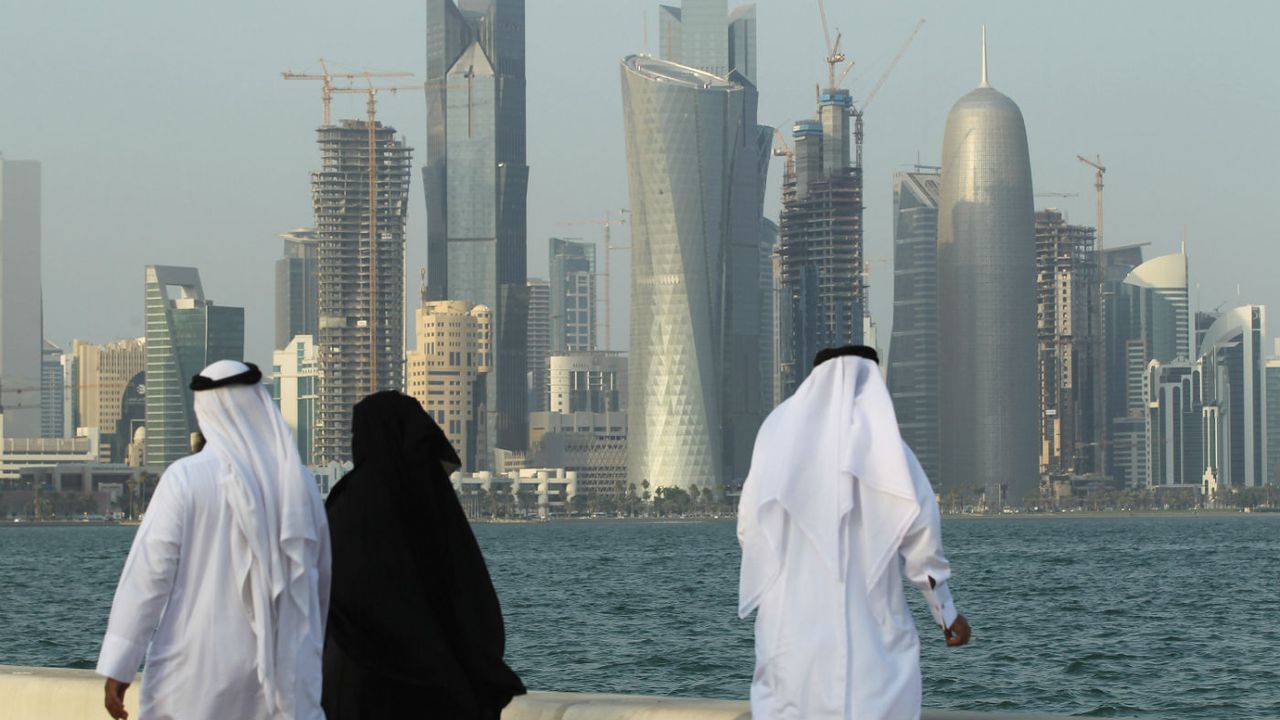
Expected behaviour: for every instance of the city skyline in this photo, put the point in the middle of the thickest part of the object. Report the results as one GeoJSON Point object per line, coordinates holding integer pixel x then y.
{"type": "Point", "coordinates": [130, 220]}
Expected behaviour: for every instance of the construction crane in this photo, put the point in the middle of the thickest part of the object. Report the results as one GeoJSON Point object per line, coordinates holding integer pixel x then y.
{"type": "Point", "coordinates": [326, 78]}
{"type": "Point", "coordinates": [1100, 390]}
{"type": "Point", "coordinates": [371, 106]}
{"type": "Point", "coordinates": [782, 149]}
{"type": "Point", "coordinates": [607, 222]}
{"type": "Point", "coordinates": [875, 90]}
{"type": "Point", "coordinates": [834, 55]}
{"type": "Point", "coordinates": [1057, 194]}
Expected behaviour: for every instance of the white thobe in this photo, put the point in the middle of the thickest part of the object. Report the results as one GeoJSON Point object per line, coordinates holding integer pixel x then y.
{"type": "Point", "coordinates": [828, 648]}
{"type": "Point", "coordinates": [178, 603]}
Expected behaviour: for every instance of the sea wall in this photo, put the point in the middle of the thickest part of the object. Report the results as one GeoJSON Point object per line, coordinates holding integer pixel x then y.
{"type": "Point", "coordinates": [28, 693]}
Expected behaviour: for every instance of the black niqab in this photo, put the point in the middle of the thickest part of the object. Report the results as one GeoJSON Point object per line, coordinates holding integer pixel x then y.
{"type": "Point", "coordinates": [412, 607]}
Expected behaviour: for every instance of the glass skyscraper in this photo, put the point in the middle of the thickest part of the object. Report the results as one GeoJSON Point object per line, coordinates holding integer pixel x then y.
{"type": "Point", "coordinates": [476, 182]}
{"type": "Point", "coordinates": [573, 296]}
{"type": "Point", "coordinates": [297, 291]}
{"type": "Point", "coordinates": [21, 316]}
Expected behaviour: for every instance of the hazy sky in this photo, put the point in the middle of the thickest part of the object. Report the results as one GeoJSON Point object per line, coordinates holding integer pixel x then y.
{"type": "Point", "coordinates": [167, 135]}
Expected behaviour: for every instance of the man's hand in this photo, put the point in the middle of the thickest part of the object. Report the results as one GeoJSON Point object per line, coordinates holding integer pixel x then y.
{"type": "Point", "coordinates": [958, 633]}
{"type": "Point", "coordinates": [115, 699]}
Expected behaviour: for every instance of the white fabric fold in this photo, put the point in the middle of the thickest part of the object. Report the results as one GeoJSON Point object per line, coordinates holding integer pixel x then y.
{"type": "Point", "coordinates": [279, 524]}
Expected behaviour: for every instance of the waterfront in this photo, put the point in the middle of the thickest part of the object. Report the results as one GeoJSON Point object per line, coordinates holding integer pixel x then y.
{"type": "Point", "coordinates": [1157, 616]}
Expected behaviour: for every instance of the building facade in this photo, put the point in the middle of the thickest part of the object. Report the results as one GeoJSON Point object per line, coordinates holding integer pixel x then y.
{"type": "Point", "coordinates": [697, 192]}
{"type": "Point", "coordinates": [52, 418]}
{"type": "Point", "coordinates": [588, 382]}
{"type": "Point", "coordinates": [446, 372]}
{"type": "Point", "coordinates": [540, 341]}
{"type": "Point", "coordinates": [1174, 437]}
{"type": "Point", "coordinates": [913, 344]}
{"type": "Point", "coordinates": [476, 183]}
{"type": "Point", "coordinates": [21, 313]}
{"type": "Point", "coordinates": [359, 231]}
{"type": "Point", "coordinates": [988, 407]}
{"type": "Point", "coordinates": [297, 291]}
{"type": "Point", "coordinates": [1235, 398]}
{"type": "Point", "coordinates": [295, 387]}
{"type": "Point", "coordinates": [573, 295]}
{"type": "Point", "coordinates": [185, 333]}
{"type": "Point", "coordinates": [103, 374]}
{"type": "Point", "coordinates": [1067, 343]}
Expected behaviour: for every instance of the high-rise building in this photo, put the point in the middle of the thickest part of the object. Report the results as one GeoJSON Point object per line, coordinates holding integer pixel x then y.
{"type": "Point", "coordinates": [573, 295]}
{"type": "Point", "coordinates": [988, 407]}
{"type": "Point", "coordinates": [588, 382]}
{"type": "Point", "coordinates": [768, 315]}
{"type": "Point", "coordinates": [295, 387]}
{"type": "Point", "coordinates": [1272, 382]}
{"type": "Point", "coordinates": [1067, 343]}
{"type": "Point", "coordinates": [540, 340]}
{"type": "Point", "coordinates": [1146, 319]}
{"type": "Point", "coordinates": [446, 372]}
{"type": "Point", "coordinates": [185, 333]}
{"type": "Point", "coordinates": [1235, 398]}
{"type": "Point", "coordinates": [360, 273]}
{"type": "Point", "coordinates": [476, 182]}
{"type": "Point", "coordinates": [297, 292]}
{"type": "Point", "coordinates": [820, 240]}
{"type": "Point", "coordinates": [51, 392]}
{"type": "Point", "coordinates": [697, 193]}
{"type": "Point", "coordinates": [1174, 441]}
{"type": "Point", "coordinates": [103, 374]}
{"type": "Point", "coordinates": [913, 345]}
{"type": "Point", "coordinates": [21, 314]}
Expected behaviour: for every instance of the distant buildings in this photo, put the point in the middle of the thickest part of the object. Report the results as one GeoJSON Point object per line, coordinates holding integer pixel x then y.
{"type": "Point", "coordinates": [1235, 399]}
{"type": "Point", "coordinates": [696, 192]}
{"type": "Point", "coordinates": [1067, 344]}
{"type": "Point", "coordinates": [359, 237]}
{"type": "Point", "coordinates": [104, 375]}
{"type": "Point", "coordinates": [185, 332]}
{"type": "Point", "coordinates": [295, 387]}
{"type": "Point", "coordinates": [573, 295]}
{"type": "Point", "coordinates": [989, 412]}
{"type": "Point", "coordinates": [539, 333]}
{"type": "Point", "coordinates": [297, 292]}
{"type": "Point", "coordinates": [21, 315]}
{"type": "Point", "coordinates": [446, 372]}
{"type": "Point", "coordinates": [51, 392]}
{"type": "Point", "coordinates": [476, 182]}
{"type": "Point", "coordinates": [768, 316]}
{"type": "Point", "coordinates": [1174, 425]}
{"type": "Point", "coordinates": [913, 349]}
{"type": "Point", "coordinates": [588, 382]}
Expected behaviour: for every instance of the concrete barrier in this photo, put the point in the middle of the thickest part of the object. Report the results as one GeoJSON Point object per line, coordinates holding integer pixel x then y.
{"type": "Point", "coordinates": [29, 693]}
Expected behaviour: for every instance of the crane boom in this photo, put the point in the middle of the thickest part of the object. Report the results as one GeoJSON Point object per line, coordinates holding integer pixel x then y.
{"type": "Point", "coordinates": [607, 223]}
{"type": "Point", "coordinates": [326, 77]}
{"type": "Point", "coordinates": [893, 64]}
{"type": "Point", "coordinates": [1100, 392]}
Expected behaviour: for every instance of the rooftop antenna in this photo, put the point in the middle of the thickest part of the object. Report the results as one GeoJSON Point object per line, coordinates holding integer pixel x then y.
{"type": "Point", "coordinates": [984, 58]}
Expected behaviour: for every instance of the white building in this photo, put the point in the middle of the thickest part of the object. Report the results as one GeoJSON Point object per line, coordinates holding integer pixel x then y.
{"type": "Point", "coordinates": [540, 492]}
{"type": "Point", "coordinates": [21, 318]}
{"type": "Point", "coordinates": [295, 384]}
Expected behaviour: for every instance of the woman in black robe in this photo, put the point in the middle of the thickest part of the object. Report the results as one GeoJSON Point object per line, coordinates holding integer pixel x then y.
{"type": "Point", "coordinates": [414, 628]}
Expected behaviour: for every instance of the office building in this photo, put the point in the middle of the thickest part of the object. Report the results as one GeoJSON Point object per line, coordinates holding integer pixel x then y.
{"type": "Point", "coordinates": [988, 407]}
{"type": "Point", "coordinates": [297, 292]}
{"type": "Point", "coordinates": [768, 316]}
{"type": "Point", "coordinates": [1067, 344]}
{"type": "Point", "coordinates": [1235, 398]}
{"type": "Point", "coordinates": [476, 182]}
{"type": "Point", "coordinates": [539, 341]}
{"type": "Point", "coordinates": [359, 238]}
{"type": "Point", "coordinates": [295, 387]}
{"type": "Point", "coordinates": [21, 314]}
{"type": "Point", "coordinates": [913, 343]}
{"type": "Point", "coordinates": [446, 372]}
{"type": "Point", "coordinates": [588, 382]}
{"type": "Point", "coordinates": [1174, 436]}
{"type": "Point", "coordinates": [1272, 383]}
{"type": "Point", "coordinates": [185, 333]}
{"type": "Point", "coordinates": [591, 444]}
{"type": "Point", "coordinates": [573, 295]}
{"type": "Point", "coordinates": [103, 374]}
{"type": "Point", "coordinates": [696, 192]}
{"type": "Point", "coordinates": [51, 392]}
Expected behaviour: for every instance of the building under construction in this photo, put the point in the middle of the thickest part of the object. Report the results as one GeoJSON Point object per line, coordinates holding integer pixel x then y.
{"type": "Point", "coordinates": [1067, 342]}
{"type": "Point", "coordinates": [359, 224]}
{"type": "Point", "coordinates": [822, 293]}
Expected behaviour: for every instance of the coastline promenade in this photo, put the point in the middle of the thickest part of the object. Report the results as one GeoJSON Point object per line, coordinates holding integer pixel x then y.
{"type": "Point", "coordinates": [32, 693]}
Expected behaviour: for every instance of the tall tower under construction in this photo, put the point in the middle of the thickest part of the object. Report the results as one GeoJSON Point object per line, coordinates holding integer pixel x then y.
{"type": "Point", "coordinates": [822, 294]}
{"type": "Point", "coordinates": [359, 199]}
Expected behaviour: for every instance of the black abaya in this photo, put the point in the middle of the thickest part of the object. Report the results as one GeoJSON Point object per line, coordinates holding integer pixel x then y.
{"type": "Point", "coordinates": [414, 621]}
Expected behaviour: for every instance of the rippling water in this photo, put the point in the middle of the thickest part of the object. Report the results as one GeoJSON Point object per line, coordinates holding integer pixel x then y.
{"type": "Point", "coordinates": [1162, 617]}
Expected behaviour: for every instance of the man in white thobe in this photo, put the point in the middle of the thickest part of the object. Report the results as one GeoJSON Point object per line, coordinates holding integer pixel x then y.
{"type": "Point", "coordinates": [227, 584]}
{"type": "Point", "coordinates": [834, 513]}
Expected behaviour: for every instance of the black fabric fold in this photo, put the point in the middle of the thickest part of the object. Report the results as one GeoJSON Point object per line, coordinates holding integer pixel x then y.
{"type": "Point", "coordinates": [252, 376]}
{"type": "Point", "coordinates": [412, 607]}
{"type": "Point", "coordinates": [861, 351]}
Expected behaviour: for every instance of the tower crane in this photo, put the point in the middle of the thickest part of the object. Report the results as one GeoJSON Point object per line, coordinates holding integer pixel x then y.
{"type": "Point", "coordinates": [1100, 391]}
{"type": "Point", "coordinates": [607, 222]}
{"type": "Point", "coordinates": [875, 89]}
{"type": "Point", "coordinates": [326, 78]}
{"type": "Point", "coordinates": [782, 149]}
{"type": "Point", "coordinates": [834, 55]}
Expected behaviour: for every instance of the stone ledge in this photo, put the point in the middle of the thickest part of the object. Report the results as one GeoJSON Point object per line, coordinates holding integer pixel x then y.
{"type": "Point", "coordinates": [32, 693]}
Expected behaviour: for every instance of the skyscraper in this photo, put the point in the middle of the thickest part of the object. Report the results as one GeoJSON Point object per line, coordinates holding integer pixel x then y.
{"type": "Point", "coordinates": [697, 193]}
{"type": "Point", "coordinates": [21, 314]}
{"type": "Point", "coordinates": [573, 296]}
{"type": "Point", "coordinates": [988, 407]}
{"type": "Point", "coordinates": [476, 182]}
{"type": "Point", "coordinates": [295, 387]}
{"type": "Point", "coordinates": [51, 391]}
{"type": "Point", "coordinates": [359, 231]}
{"type": "Point", "coordinates": [540, 340]}
{"type": "Point", "coordinates": [1067, 341]}
{"type": "Point", "coordinates": [103, 374]}
{"type": "Point", "coordinates": [820, 240]}
{"type": "Point", "coordinates": [1175, 437]}
{"type": "Point", "coordinates": [768, 315]}
{"type": "Point", "coordinates": [185, 332]}
{"type": "Point", "coordinates": [297, 294]}
{"type": "Point", "coordinates": [1235, 417]}
{"type": "Point", "coordinates": [446, 372]}
{"type": "Point", "coordinates": [913, 348]}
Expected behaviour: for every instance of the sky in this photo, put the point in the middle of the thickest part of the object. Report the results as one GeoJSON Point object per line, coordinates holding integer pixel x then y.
{"type": "Point", "coordinates": [167, 135]}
